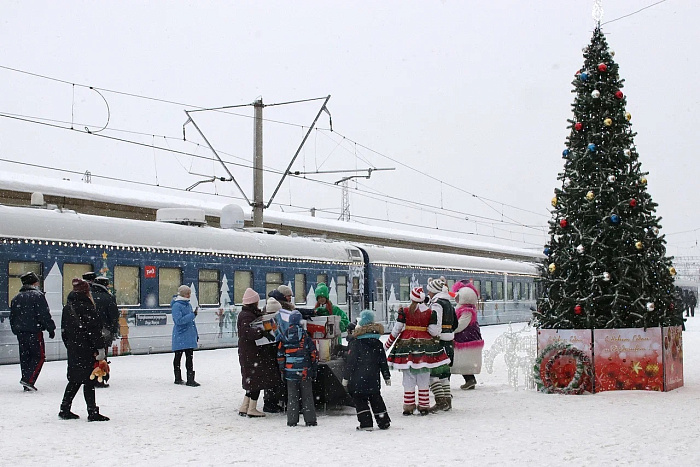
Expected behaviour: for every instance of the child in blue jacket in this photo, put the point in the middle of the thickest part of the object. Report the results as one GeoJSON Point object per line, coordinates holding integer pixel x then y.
{"type": "Point", "coordinates": [298, 361]}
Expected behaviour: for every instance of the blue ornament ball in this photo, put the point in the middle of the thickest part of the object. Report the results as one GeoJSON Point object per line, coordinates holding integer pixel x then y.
{"type": "Point", "coordinates": [591, 147]}
{"type": "Point", "coordinates": [565, 152]}
{"type": "Point", "coordinates": [547, 250]}
{"type": "Point", "coordinates": [583, 76]}
{"type": "Point", "coordinates": [615, 219]}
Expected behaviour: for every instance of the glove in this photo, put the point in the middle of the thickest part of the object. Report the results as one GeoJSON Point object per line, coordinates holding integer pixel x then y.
{"type": "Point", "coordinates": [345, 383]}
{"type": "Point", "coordinates": [387, 382]}
{"type": "Point", "coordinates": [100, 354]}
{"type": "Point", "coordinates": [52, 334]}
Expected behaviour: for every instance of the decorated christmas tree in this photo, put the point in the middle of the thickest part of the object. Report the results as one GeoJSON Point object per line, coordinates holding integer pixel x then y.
{"type": "Point", "coordinates": [606, 263]}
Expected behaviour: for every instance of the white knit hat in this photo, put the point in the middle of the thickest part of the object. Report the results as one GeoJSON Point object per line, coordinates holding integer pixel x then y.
{"type": "Point", "coordinates": [437, 285]}
{"type": "Point", "coordinates": [273, 306]}
{"type": "Point", "coordinates": [250, 297]}
{"type": "Point", "coordinates": [417, 294]}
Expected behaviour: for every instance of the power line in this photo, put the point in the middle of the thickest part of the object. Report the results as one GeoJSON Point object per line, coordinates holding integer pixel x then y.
{"type": "Point", "coordinates": [633, 13]}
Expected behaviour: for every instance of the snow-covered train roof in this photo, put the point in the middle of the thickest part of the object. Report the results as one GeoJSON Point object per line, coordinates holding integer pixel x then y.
{"type": "Point", "coordinates": [212, 205]}
{"type": "Point", "coordinates": [68, 226]}
{"type": "Point", "coordinates": [407, 257]}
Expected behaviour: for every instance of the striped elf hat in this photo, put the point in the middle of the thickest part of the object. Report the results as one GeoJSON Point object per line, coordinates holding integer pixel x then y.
{"type": "Point", "coordinates": [417, 294]}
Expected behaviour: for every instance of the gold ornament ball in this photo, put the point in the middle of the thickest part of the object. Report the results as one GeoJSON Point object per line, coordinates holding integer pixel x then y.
{"type": "Point", "coordinates": [608, 121]}
{"type": "Point", "coordinates": [643, 181]}
{"type": "Point", "coordinates": [590, 195]}
{"type": "Point", "coordinates": [639, 245]}
{"type": "Point", "coordinates": [552, 267]}
{"type": "Point", "coordinates": [628, 116]}
{"type": "Point", "coordinates": [672, 270]}
{"type": "Point", "coordinates": [554, 201]}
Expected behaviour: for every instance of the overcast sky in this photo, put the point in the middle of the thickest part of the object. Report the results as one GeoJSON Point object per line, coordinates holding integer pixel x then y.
{"type": "Point", "coordinates": [473, 94]}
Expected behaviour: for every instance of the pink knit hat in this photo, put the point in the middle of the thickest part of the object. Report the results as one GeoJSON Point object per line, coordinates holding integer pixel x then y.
{"type": "Point", "coordinates": [250, 297]}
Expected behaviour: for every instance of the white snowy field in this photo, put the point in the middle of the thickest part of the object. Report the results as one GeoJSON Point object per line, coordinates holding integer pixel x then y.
{"type": "Point", "coordinates": [155, 422]}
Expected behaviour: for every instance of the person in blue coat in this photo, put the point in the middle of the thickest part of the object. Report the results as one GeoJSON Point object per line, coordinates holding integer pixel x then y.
{"type": "Point", "coordinates": [185, 335]}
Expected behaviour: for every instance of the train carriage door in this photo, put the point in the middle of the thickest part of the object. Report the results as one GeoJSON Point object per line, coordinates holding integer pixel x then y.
{"type": "Point", "coordinates": [356, 291]}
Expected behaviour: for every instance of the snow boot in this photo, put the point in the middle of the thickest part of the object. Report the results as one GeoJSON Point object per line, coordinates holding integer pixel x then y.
{"type": "Point", "coordinates": [94, 415]}
{"type": "Point", "coordinates": [440, 404]}
{"type": "Point", "coordinates": [178, 376]}
{"type": "Point", "coordinates": [408, 409]}
{"type": "Point", "coordinates": [424, 411]}
{"type": "Point", "coordinates": [190, 380]}
{"type": "Point", "coordinates": [66, 414]}
{"type": "Point", "coordinates": [364, 428]}
{"type": "Point", "coordinates": [252, 411]}
{"type": "Point", "coordinates": [469, 382]}
{"type": "Point", "coordinates": [243, 409]}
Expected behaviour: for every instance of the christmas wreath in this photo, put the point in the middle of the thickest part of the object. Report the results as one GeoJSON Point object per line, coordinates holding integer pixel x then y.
{"type": "Point", "coordinates": [562, 369]}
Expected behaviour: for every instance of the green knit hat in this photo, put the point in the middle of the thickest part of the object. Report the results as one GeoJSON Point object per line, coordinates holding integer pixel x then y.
{"type": "Point", "coordinates": [321, 291]}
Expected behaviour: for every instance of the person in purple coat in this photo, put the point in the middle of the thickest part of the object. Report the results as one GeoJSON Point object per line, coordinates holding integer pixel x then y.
{"type": "Point", "coordinates": [185, 335]}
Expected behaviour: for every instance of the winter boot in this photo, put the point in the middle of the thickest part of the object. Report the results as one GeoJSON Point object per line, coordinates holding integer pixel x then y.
{"type": "Point", "coordinates": [408, 409]}
{"type": "Point", "coordinates": [66, 414]}
{"type": "Point", "coordinates": [253, 410]}
{"type": "Point", "coordinates": [178, 376]}
{"type": "Point", "coordinates": [95, 416]}
{"type": "Point", "coordinates": [190, 380]}
{"type": "Point", "coordinates": [243, 409]}
{"type": "Point", "coordinates": [424, 410]}
{"type": "Point", "coordinates": [469, 382]}
{"type": "Point", "coordinates": [447, 403]}
{"type": "Point", "coordinates": [440, 404]}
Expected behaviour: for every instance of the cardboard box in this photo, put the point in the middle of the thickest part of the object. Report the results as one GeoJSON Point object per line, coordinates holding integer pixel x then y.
{"type": "Point", "coordinates": [323, 327]}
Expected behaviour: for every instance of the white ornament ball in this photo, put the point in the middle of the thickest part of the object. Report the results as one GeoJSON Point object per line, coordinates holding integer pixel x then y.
{"type": "Point", "coordinates": [627, 152]}
{"type": "Point", "coordinates": [612, 179]}
{"type": "Point", "coordinates": [650, 306]}
{"type": "Point", "coordinates": [655, 230]}
{"type": "Point", "coordinates": [595, 94]}
{"type": "Point", "coordinates": [567, 182]}
{"type": "Point", "coordinates": [580, 249]}
{"type": "Point", "coordinates": [606, 276]}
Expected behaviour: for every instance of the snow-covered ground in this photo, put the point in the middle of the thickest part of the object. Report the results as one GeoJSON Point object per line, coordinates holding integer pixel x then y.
{"type": "Point", "coordinates": [155, 422]}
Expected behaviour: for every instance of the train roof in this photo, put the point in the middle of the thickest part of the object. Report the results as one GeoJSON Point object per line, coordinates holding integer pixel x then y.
{"type": "Point", "coordinates": [212, 205]}
{"type": "Point", "coordinates": [406, 257]}
{"type": "Point", "coordinates": [69, 226]}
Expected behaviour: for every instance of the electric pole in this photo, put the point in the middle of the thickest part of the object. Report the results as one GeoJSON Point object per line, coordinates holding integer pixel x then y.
{"type": "Point", "coordinates": [258, 203]}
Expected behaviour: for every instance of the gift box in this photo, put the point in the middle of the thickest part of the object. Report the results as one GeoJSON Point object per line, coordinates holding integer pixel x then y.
{"type": "Point", "coordinates": [323, 327]}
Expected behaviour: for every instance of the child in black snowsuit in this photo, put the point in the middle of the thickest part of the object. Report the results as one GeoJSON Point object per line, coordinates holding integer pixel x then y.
{"type": "Point", "coordinates": [366, 360]}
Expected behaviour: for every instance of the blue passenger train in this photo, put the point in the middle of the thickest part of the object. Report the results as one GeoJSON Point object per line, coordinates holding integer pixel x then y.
{"type": "Point", "coordinates": [146, 261]}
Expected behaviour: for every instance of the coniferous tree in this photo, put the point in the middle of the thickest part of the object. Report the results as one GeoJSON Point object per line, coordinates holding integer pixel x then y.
{"type": "Point", "coordinates": [606, 264]}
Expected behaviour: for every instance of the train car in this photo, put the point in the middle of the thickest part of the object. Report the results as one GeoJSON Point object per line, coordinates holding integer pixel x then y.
{"type": "Point", "coordinates": [146, 262]}
{"type": "Point", "coordinates": [506, 287]}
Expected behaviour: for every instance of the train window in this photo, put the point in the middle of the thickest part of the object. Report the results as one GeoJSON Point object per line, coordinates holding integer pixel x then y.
{"type": "Point", "coordinates": [127, 285]}
{"type": "Point", "coordinates": [499, 290]}
{"type": "Point", "coordinates": [380, 290]}
{"type": "Point", "coordinates": [404, 289]}
{"type": "Point", "coordinates": [518, 291]}
{"type": "Point", "coordinates": [299, 288]}
{"type": "Point", "coordinates": [70, 272]}
{"type": "Point", "coordinates": [241, 281]}
{"type": "Point", "coordinates": [488, 291]}
{"type": "Point", "coordinates": [208, 287]}
{"type": "Point", "coordinates": [510, 291]}
{"type": "Point", "coordinates": [169, 279]}
{"type": "Point", "coordinates": [16, 269]}
{"type": "Point", "coordinates": [450, 283]}
{"type": "Point", "coordinates": [342, 288]}
{"type": "Point", "coordinates": [272, 280]}
{"type": "Point", "coordinates": [322, 278]}
{"type": "Point", "coordinates": [529, 291]}
{"type": "Point", "coordinates": [477, 286]}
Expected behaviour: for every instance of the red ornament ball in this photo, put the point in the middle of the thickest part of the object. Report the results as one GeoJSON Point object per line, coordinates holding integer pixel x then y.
{"type": "Point", "coordinates": [633, 202]}
{"type": "Point", "coordinates": [602, 67]}
{"type": "Point", "coordinates": [578, 310]}
{"type": "Point", "coordinates": [563, 223]}
{"type": "Point", "coordinates": [619, 94]}
{"type": "Point", "coordinates": [578, 126]}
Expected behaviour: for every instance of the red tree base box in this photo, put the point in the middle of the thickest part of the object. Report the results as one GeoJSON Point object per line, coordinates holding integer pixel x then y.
{"type": "Point", "coordinates": [634, 358]}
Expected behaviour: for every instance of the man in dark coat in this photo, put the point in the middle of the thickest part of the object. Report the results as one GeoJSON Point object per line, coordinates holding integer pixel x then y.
{"type": "Point", "coordinates": [29, 317]}
{"type": "Point", "coordinates": [106, 306]}
{"type": "Point", "coordinates": [81, 330]}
